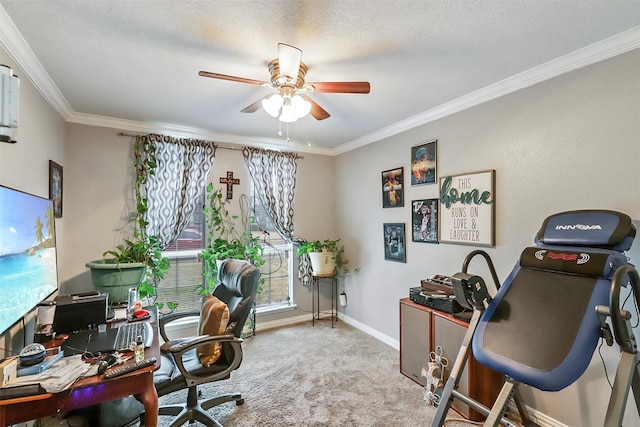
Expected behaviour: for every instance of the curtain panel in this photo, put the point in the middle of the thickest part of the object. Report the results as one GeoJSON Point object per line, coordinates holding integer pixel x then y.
{"type": "Point", "coordinates": [274, 177]}
{"type": "Point", "coordinates": [181, 174]}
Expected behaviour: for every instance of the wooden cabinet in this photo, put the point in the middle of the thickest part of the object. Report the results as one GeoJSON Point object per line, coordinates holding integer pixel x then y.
{"type": "Point", "coordinates": [421, 330]}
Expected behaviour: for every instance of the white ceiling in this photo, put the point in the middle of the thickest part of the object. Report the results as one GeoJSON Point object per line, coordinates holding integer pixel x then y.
{"type": "Point", "coordinates": [134, 64]}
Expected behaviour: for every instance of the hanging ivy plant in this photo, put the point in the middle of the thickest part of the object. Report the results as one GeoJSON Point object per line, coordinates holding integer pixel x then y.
{"type": "Point", "coordinates": [143, 247]}
{"type": "Point", "coordinates": [226, 238]}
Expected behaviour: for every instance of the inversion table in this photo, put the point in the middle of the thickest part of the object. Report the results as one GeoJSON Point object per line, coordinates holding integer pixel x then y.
{"type": "Point", "coordinates": [544, 323]}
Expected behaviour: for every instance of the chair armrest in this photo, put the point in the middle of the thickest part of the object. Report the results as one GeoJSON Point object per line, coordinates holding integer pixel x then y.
{"type": "Point", "coordinates": [165, 319]}
{"type": "Point", "coordinates": [182, 345]}
{"type": "Point", "coordinates": [178, 348]}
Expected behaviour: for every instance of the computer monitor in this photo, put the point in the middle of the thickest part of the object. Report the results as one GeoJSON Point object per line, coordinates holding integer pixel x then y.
{"type": "Point", "coordinates": [28, 256]}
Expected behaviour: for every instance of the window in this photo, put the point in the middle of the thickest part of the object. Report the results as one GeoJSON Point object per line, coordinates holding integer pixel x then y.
{"type": "Point", "coordinates": [184, 277]}
{"type": "Point", "coordinates": [278, 266]}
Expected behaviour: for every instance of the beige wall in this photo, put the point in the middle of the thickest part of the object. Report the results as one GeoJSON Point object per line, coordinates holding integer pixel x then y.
{"type": "Point", "coordinates": [570, 143]}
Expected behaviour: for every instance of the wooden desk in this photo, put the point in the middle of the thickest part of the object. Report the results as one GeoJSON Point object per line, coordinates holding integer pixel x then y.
{"type": "Point", "coordinates": [91, 391]}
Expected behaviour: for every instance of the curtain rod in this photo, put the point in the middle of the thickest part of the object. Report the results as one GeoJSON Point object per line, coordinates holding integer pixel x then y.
{"type": "Point", "coordinates": [298, 156]}
{"type": "Point", "coordinates": [218, 146]}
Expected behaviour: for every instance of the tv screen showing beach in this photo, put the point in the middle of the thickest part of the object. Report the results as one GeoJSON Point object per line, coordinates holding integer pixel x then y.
{"type": "Point", "coordinates": [28, 266]}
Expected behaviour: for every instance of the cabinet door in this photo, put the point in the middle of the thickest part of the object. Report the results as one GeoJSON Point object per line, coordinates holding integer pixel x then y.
{"type": "Point", "coordinates": [415, 337]}
{"type": "Point", "coordinates": [449, 335]}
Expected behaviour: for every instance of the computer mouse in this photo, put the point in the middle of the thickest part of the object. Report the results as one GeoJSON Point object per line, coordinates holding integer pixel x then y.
{"type": "Point", "coordinates": [140, 314]}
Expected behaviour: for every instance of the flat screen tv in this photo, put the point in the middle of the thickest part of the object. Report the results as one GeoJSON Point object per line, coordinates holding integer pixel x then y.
{"type": "Point", "coordinates": [28, 258]}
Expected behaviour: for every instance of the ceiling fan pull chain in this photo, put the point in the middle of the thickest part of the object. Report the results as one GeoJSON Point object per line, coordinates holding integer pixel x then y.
{"type": "Point", "coordinates": [279, 128]}
{"type": "Point", "coordinates": [288, 140]}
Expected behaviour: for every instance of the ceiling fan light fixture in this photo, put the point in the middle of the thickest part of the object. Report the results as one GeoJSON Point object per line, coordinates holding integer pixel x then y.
{"type": "Point", "coordinates": [288, 74]}
{"type": "Point", "coordinates": [301, 106]}
{"type": "Point", "coordinates": [272, 104]}
{"type": "Point", "coordinates": [288, 113]}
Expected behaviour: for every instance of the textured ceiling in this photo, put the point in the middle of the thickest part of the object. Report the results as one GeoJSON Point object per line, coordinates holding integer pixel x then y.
{"type": "Point", "coordinates": [134, 64]}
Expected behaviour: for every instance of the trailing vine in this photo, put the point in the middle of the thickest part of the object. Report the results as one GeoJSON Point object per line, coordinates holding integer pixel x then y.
{"type": "Point", "coordinates": [144, 247]}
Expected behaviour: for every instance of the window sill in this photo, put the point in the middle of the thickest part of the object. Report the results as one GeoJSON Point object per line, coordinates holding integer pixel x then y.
{"type": "Point", "coordinates": [275, 309]}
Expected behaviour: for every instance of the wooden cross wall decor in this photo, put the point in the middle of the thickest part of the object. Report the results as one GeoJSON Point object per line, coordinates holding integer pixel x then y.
{"type": "Point", "coordinates": [230, 181]}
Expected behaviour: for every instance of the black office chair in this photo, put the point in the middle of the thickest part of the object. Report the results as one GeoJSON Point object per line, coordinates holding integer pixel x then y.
{"type": "Point", "coordinates": [181, 368]}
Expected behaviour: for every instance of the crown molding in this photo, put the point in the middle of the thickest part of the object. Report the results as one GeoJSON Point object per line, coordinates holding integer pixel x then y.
{"type": "Point", "coordinates": [605, 49]}
{"type": "Point", "coordinates": [189, 132]}
{"type": "Point", "coordinates": [20, 52]}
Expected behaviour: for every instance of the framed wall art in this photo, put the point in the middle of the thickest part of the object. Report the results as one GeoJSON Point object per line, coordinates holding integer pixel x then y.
{"type": "Point", "coordinates": [393, 188]}
{"type": "Point", "coordinates": [395, 248]}
{"type": "Point", "coordinates": [424, 220]}
{"type": "Point", "coordinates": [467, 209]}
{"type": "Point", "coordinates": [55, 188]}
{"type": "Point", "coordinates": [423, 163]}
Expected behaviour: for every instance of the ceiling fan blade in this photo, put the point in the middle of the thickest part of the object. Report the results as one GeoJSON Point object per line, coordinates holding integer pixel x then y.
{"type": "Point", "coordinates": [317, 111]}
{"type": "Point", "coordinates": [255, 106]}
{"type": "Point", "coordinates": [231, 78]}
{"type": "Point", "coordinates": [289, 61]}
{"type": "Point", "coordinates": [341, 87]}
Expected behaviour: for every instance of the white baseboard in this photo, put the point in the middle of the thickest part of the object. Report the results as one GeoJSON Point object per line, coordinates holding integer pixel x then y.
{"type": "Point", "coordinates": [370, 331]}
{"type": "Point", "coordinates": [263, 326]}
{"type": "Point", "coordinates": [538, 417]}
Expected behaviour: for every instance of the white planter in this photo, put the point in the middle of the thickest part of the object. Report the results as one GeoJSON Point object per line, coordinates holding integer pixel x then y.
{"type": "Point", "coordinates": [322, 263]}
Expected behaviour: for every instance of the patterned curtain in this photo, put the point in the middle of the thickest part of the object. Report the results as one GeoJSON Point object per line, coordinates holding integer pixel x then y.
{"type": "Point", "coordinates": [304, 269]}
{"type": "Point", "coordinates": [274, 176]}
{"type": "Point", "coordinates": [181, 174]}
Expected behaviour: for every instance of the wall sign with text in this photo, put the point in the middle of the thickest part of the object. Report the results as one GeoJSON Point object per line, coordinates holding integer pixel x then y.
{"type": "Point", "coordinates": [467, 208]}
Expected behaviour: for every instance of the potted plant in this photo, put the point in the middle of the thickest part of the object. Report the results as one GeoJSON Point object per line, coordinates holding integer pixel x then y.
{"type": "Point", "coordinates": [138, 263]}
{"type": "Point", "coordinates": [229, 236]}
{"type": "Point", "coordinates": [327, 258]}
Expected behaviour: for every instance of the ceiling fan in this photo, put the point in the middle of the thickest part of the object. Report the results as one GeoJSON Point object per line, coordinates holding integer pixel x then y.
{"type": "Point", "coordinates": [291, 101]}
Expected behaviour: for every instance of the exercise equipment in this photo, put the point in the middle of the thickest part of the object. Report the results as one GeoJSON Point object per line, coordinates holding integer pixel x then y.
{"type": "Point", "coordinates": [543, 324]}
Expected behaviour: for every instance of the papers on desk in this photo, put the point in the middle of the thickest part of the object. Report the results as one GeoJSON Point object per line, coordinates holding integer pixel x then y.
{"type": "Point", "coordinates": [60, 376]}
{"type": "Point", "coordinates": [119, 314]}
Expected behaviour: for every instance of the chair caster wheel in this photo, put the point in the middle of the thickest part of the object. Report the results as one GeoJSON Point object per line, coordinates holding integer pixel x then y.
{"type": "Point", "coordinates": [239, 402]}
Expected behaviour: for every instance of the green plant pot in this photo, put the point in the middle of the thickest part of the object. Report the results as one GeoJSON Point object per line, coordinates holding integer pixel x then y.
{"type": "Point", "coordinates": [116, 279]}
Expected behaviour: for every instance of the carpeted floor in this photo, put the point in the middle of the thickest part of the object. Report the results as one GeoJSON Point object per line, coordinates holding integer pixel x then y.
{"type": "Point", "coordinates": [306, 375]}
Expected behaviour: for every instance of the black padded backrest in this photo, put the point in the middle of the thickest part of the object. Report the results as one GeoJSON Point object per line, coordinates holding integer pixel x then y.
{"type": "Point", "coordinates": [585, 262]}
{"type": "Point", "coordinates": [541, 313]}
{"type": "Point", "coordinates": [546, 308]}
{"type": "Point", "coordinates": [237, 285]}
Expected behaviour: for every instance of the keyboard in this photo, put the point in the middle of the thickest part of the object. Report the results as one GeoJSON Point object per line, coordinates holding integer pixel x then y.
{"type": "Point", "coordinates": [114, 339]}
{"type": "Point", "coordinates": [129, 332]}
